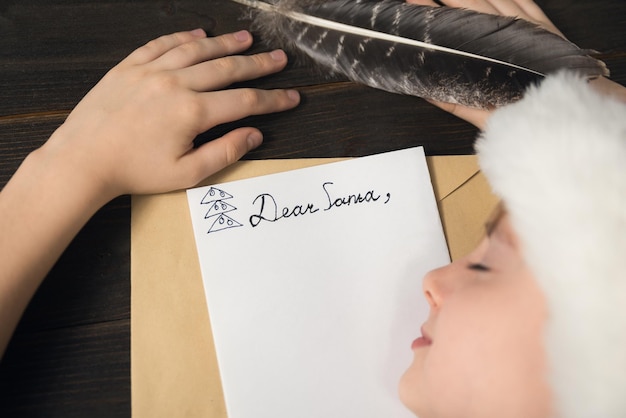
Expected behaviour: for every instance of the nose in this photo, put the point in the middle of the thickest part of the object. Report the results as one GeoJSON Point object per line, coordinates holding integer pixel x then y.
{"type": "Point", "coordinates": [438, 284]}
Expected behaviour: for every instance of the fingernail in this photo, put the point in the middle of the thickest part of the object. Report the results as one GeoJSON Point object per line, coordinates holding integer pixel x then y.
{"type": "Point", "coordinates": [198, 33]}
{"type": "Point", "coordinates": [254, 139]}
{"type": "Point", "coordinates": [242, 35]}
{"type": "Point", "coordinates": [278, 55]}
{"type": "Point", "coordinates": [293, 95]}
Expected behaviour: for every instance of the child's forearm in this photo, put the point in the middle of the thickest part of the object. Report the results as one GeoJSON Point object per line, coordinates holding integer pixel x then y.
{"type": "Point", "coordinates": [43, 206]}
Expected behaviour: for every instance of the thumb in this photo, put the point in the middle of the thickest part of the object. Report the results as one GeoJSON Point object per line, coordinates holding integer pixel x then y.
{"type": "Point", "coordinates": [213, 156]}
{"type": "Point", "coordinates": [477, 117]}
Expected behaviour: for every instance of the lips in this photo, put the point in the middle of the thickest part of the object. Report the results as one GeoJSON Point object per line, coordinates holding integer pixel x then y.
{"type": "Point", "coordinates": [423, 341]}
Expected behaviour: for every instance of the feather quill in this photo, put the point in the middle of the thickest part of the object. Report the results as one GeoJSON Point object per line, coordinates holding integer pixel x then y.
{"type": "Point", "coordinates": [441, 53]}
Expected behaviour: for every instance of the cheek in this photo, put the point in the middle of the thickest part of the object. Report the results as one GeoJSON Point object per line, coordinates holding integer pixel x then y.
{"type": "Point", "coordinates": [486, 357]}
{"type": "Point", "coordinates": [411, 388]}
{"type": "Point", "coordinates": [441, 379]}
{"type": "Point", "coordinates": [432, 389]}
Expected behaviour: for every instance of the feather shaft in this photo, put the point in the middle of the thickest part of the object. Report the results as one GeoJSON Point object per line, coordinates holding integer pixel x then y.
{"type": "Point", "coordinates": [355, 30]}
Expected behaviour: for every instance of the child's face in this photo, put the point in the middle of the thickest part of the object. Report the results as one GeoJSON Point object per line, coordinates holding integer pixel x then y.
{"type": "Point", "coordinates": [481, 352]}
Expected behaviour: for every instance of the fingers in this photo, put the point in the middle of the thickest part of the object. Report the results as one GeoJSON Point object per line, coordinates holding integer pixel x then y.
{"type": "Point", "coordinates": [202, 64]}
{"type": "Point", "coordinates": [527, 10]}
{"type": "Point", "coordinates": [423, 2]}
{"type": "Point", "coordinates": [219, 73]}
{"type": "Point", "coordinates": [495, 7]}
{"type": "Point", "coordinates": [535, 14]}
{"type": "Point", "coordinates": [217, 154]}
{"type": "Point", "coordinates": [482, 6]}
{"type": "Point", "coordinates": [157, 47]}
{"type": "Point", "coordinates": [508, 8]}
{"type": "Point", "coordinates": [610, 88]}
{"type": "Point", "coordinates": [229, 105]}
{"type": "Point", "coordinates": [183, 49]}
{"type": "Point", "coordinates": [199, 50]}
{"type": "Point", "coordinates": [523, 9]}
{"type": "Point", "coordinates": [477, 117]}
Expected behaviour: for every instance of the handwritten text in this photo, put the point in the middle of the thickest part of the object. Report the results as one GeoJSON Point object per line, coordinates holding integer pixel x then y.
{"type": "Point", "coordinates": [269, 210]}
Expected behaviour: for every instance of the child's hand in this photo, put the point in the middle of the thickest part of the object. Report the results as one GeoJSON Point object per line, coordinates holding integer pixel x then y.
{"type": "Point", "coordinates": [134, 132]}
{"type": "Point", "coordinates": [523, 9]}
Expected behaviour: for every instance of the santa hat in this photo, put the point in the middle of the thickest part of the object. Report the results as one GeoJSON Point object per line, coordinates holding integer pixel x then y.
{"type": "Point", "coordinates": [557, 159]}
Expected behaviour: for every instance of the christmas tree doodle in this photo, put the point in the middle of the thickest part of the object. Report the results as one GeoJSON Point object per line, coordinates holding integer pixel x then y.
{"type": "Point", "coordinates": [216, 215]}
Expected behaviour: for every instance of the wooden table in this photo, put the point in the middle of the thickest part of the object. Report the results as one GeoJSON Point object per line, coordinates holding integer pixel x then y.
{"type": "Point", "coordinates": [70, 355]}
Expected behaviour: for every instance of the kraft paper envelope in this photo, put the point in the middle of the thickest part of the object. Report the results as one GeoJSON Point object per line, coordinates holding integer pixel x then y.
{"type": "Point", "coordinates": [173, 364]}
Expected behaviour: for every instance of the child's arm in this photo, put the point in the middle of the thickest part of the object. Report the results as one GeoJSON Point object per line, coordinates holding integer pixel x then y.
{"type": "Point", "coordinates": [133, 133]}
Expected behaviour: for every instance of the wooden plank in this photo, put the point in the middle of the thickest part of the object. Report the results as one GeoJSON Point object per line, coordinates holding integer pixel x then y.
{"type": "Point", "coordinates": [589, 24]}
{"type": "Point", "coordinates": [90, 284]}
{"type": "Point", "coordinates": [72, 372]}
{"type": "Point", "coordinates": [21, 135]}
{"type": "Point", "coordinates": [53, 52]}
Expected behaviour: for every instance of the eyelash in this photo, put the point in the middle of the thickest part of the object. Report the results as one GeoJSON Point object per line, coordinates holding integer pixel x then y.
{"type": "Point", "coordinates": [478, 267]}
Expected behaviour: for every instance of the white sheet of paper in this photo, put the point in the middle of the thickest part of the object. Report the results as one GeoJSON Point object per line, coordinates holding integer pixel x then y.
{"type": "Point", "coordinates": [313, 284]}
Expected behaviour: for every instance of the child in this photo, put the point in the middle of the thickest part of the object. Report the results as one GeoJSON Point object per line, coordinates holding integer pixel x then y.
{"type": "Point", "coordinates": [532, 323]}
{"type": "Point", "coordinates": [133, 133]}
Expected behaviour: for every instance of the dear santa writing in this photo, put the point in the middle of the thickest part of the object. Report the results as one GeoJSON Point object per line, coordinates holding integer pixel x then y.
{"type": "Point", "coordinates": [271, 211]}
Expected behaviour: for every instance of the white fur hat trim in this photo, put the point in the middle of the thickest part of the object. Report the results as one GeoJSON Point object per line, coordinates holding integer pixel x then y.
{"type": "Point", "coordinates": [557, 158]}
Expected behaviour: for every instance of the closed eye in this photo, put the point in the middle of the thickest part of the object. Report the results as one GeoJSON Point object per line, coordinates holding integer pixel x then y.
{"type": "Point", "coordinates": [478, 267]}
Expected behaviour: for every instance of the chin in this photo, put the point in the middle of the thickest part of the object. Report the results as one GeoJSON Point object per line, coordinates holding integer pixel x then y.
{"type": "Point", "coordinates": [408, 390]}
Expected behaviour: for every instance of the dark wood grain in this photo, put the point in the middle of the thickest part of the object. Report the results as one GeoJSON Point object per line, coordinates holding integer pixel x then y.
{"type": "Point", "coordinates": [78, 371]}
{"type": "Point", "coordinates": [70, 356]}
